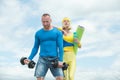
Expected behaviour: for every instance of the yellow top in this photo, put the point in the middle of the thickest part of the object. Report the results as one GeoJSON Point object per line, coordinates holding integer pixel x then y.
{"type": "Point", "coordinates": [68, 39]}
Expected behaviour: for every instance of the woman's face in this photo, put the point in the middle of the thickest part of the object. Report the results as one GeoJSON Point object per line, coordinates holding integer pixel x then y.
{"type": "Point", "coordinates": [66, 23]}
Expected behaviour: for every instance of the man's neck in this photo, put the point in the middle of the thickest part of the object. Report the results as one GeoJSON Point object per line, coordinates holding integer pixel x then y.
{"type": "Point", "coordinates": [50, 28]}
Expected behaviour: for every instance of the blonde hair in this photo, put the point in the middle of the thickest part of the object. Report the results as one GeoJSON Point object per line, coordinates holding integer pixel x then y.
{"type": "Point", "coordinates": [66, 18]}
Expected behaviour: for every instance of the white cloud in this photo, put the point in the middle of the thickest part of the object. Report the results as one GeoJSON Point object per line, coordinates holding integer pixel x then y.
{"type": "Point", "coordinates": [77, 8]}
{"type": "Point", "coordinates": [116, 64]}
{"type": "Point", "coordinates": [102, 75]}
{"type": "Point", "coordinates": [15, 72]}
{"type": "Point", "coordinates": [99, 49]}
{"type": "Point", "coordinates": [99, 74]}
{"type": "Point", "coordinates": [11, 13]}
{"type": "Point", "coordinates": [13, 27]}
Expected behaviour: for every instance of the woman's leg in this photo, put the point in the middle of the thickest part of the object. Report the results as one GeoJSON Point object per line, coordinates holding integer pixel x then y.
{"type": "Point", "coordinates": [72, 69]}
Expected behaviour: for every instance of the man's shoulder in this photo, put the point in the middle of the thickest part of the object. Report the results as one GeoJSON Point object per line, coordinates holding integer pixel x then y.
{"type": "Point", "coordinates": [58, 32]}
{"type": "Point", "coordinates": [56, 29]}
{"type": "Point", "coordinates": [39, 31]}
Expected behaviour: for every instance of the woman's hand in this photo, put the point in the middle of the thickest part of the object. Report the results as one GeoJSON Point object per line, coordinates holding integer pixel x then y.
{"type": "Point", "coordinates": [78, 42]}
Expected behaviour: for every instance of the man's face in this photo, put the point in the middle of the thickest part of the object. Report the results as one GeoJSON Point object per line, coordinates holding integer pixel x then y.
{"type": "Point", "coordinates": [46, 21]}
{"type": "Point", "coordinates": [66, 23]}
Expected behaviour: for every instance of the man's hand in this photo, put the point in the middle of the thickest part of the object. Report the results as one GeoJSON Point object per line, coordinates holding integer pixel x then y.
{"type": "Point", "coordinates": [26, 61]}
{"type": "Point", "coordinates": [60, 64]}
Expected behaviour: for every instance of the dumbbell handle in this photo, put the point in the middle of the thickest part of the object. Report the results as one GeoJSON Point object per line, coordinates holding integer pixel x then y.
{"type": "Point", "coordinates": [26, 61]}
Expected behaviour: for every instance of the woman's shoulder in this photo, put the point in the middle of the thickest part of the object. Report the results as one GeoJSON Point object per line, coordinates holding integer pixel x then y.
{"type": "Point", "coordinates": [59, 28]}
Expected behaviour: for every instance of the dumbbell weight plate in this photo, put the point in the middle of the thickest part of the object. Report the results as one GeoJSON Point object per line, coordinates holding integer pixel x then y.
{"type": "Point", "coordinates": [22, 60]}
{"type": "Point", "coordinates": [65, 66]}
{"type": "Point", "coordinates": [31, 64]}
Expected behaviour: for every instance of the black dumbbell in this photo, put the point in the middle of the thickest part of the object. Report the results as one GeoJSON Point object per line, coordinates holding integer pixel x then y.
{"type": "Point", "coordinates": [31, 64]}
{"type": "Point", "coordinates": [65, 66]}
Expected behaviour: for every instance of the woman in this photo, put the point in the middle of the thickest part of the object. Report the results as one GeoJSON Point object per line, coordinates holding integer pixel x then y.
{"type": "Point", "coordinates": [69, 55]}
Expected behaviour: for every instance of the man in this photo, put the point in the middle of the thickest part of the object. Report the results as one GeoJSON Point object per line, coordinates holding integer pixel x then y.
{"type": "Point", "coordinates": [51, 47]}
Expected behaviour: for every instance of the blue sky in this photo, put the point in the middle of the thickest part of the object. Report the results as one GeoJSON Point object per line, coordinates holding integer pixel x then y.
{"type": "Point", "coordinates": [99, 57]}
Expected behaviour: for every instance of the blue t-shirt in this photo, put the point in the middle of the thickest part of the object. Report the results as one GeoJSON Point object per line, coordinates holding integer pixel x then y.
{"type": "Point", "coordinates": [50, 43]}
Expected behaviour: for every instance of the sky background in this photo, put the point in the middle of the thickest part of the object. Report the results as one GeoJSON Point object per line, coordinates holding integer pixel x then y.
{"type": "Point", "coordinates": [99, 57]}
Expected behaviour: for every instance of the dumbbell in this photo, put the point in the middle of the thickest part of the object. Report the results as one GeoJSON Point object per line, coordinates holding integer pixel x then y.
{"type": "Point", "coordinates": [31, 64]}
{"type": "Point", "coordinates": [65, 66]}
